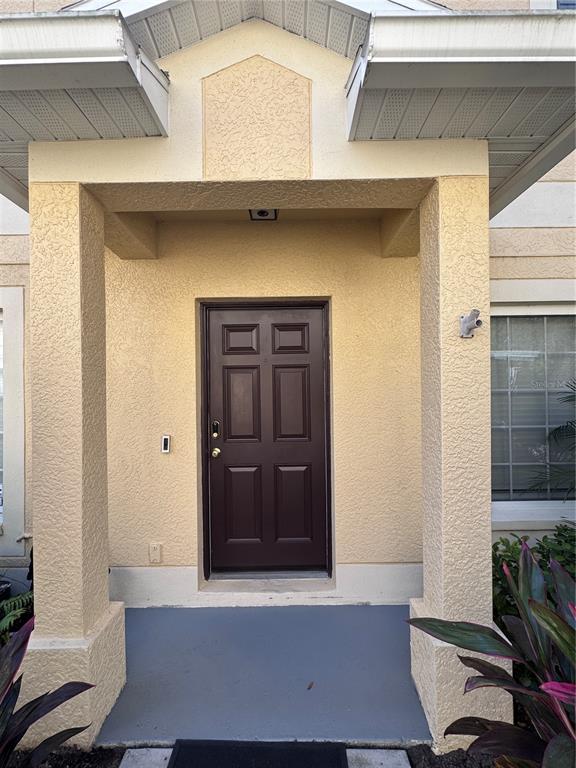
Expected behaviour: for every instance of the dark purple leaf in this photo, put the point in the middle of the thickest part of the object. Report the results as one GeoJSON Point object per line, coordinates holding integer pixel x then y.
{"type": "Point", "coordinates": [41, 752]}
{"type": "Point", "coordinates": [560, 753]}
{"type": "Point", "coordinates": [510, 740]}
{"type": "Point", "coordinates": [485, 667]}
{"type": "Point", "coordinates": [474, 683]}
{"type": "Point", "coordinates": [34, 710]}
{"type": "Point", "coordinates": [517, 632]}
{"type": "Point", "coordinates": [472, 637]}
{"type": "Point", "coordinates": [8, 704]}
{"type": "Point", "coordinates": [471, 726]}
{"type": "Point", "coordinates": [12, 654]}
{"type": "Point", "coordinates": [534, 634]}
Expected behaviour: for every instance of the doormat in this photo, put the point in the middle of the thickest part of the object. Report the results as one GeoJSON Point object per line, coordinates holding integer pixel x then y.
{"type": "Point", "coordinates": [257, 754]}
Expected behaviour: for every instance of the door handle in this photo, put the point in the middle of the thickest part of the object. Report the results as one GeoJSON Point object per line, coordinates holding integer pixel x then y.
{"type": "Point", "coordinates": [216, 452]}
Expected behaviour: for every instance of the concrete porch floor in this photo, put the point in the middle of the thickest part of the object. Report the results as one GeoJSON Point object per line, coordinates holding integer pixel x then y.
{"type": "Point", "coordinates": [338, 673]}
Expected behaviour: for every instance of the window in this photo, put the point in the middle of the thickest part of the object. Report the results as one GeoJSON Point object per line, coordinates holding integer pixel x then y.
{"type": "Point", "coordinates": [533, 364]}
{"type": "Point", "coordinates": [11, 421]}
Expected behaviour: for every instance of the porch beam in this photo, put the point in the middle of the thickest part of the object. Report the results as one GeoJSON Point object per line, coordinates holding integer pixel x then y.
{"type": "Point", "coordinates": [456, 496]}
{"type": "Point", "coordinates": [79, 634]}
{"type": "Point", "coordinates": [400, 233]}
{"type": "Point", "coordinates": [131, 235]}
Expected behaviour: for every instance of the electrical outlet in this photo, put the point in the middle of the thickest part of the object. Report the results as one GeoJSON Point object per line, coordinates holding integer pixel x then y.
{"type": "Point", "coordinates": [155, 552]}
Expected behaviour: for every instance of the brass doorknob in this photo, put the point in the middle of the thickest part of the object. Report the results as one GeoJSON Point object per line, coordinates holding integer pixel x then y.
{"type": "Point", "coordinates": [216, 452]}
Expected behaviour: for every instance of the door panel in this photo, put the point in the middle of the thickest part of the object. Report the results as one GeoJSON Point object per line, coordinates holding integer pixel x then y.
{"type": "Point", "coordinates": [293, 490]}
{"type": "Point", "coordinates": [242, 403]}
{"type": "Point", "coordinates": [243, 498]}
{"type": "Point", "coordinates": [291, 402]}
{"type": "Point", "coordinates": [267, 488]}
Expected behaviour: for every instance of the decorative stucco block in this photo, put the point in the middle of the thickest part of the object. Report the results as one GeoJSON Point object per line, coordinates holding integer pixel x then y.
{"type": "Point", "coordinates": [98, 658]}
{"type": "Point", "coordinates": [256, 122]}
{"type": "Point", "coordinates": [440, 676]}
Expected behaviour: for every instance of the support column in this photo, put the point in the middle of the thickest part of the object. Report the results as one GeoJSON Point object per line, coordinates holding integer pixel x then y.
{"type": "Point", "coordinates": [454, 256]}
{"type": "Point", "coordinates": [79, 634]}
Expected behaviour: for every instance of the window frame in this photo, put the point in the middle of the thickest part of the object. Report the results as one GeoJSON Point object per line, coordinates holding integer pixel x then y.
{"type": "Point", "coordinates": [12, 524]}
{"type": "Point", "coordinates": [533, 298]}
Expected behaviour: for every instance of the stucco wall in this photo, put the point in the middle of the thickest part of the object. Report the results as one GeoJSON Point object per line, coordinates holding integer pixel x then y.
{"type": "Point", "coordinates": [153, 380]}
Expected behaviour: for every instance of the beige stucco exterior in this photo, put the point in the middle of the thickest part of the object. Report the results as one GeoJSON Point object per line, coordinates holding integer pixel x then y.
{"type": "Point", "coordinates": [153, 382]}
{"type": "Point", "coordinates": [126, 332]}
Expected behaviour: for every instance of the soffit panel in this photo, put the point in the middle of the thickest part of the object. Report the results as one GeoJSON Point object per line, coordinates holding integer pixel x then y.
{"type": "Point", "coordinates": [516, 121]}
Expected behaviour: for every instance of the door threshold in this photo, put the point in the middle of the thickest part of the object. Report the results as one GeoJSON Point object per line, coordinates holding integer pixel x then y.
{"type": "Point", "coordinates": [269, 581]}
{"type": "Point", "coordinates": [266, 575]}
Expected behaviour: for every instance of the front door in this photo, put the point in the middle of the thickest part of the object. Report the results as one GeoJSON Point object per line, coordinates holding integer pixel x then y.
{"type": "Point", "coordinates": [267, 440]}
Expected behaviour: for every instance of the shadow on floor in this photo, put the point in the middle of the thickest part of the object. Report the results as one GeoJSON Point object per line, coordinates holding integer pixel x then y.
{"type": "Point", "coordinates": [339, 673]}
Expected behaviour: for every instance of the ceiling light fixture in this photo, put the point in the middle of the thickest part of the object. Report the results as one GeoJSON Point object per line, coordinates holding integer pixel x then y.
{"type": "Point", "coordinates": [263, 214]}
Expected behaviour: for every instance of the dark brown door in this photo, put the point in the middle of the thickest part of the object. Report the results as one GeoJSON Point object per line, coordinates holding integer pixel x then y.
{"type": "Point", "coordinates": [266, 449]}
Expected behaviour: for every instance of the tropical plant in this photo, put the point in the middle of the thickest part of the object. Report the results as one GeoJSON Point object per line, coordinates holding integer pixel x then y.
{"type": "Point", "coordinates": [559, 546]}
{"type": "Point", "coordinates": [541, 639]}
{"type": "Point", "coordinates": [14, 612]}
{"type": "Point", "coordinates": [15, 724]}
{"type": "Point", "coordinates": [507, 551]}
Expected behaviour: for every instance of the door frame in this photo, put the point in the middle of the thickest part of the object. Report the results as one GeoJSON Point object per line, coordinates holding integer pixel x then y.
{"type": "Point", "coordinates": [305, 303]}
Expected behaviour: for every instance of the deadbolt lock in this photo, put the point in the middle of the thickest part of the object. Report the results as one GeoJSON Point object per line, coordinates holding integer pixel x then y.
{"type": "Point", "coordinates": [216, 452]}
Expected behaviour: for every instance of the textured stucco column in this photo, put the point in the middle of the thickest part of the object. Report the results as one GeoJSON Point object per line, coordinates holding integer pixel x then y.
{"type": "Point", "coordinates": [455, 445]}
{"type": "Point", "coordinates": [79, 634]}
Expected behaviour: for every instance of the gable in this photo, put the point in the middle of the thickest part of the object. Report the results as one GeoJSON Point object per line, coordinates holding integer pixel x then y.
{"type": "Point", "coordinates": [256, 122]}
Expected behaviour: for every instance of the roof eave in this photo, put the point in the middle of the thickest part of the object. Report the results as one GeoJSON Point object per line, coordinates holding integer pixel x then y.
{"type": "Point", "coordinates": [79, 50]}
{"type": "Point", "coordinates": [471, 51]}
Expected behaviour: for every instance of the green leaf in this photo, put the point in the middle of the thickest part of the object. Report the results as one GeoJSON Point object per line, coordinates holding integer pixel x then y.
{"type": "Point", "coordinates": [531, 583]}
{"type": "Point", "coordinates": [563, 636]}
{"type": "Point", "coordinates": [472, 637]}
{"type": "Point", "coordinates": [560, 753]}
{"type": "Point", "coordinates": [565, 589]}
